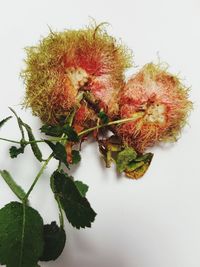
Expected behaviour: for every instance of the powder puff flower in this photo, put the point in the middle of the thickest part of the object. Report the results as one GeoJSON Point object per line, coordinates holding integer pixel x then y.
{"type": "Point", "coordinates": [161, 100]}
{"type": "Point", "coordinates": [68, 63]}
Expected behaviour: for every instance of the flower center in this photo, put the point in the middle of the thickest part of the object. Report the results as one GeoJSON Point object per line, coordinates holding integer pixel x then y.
{"type": "Point", "coordinates": [155, 113]}
{"type": "Point", "coordinates": [77, 76]}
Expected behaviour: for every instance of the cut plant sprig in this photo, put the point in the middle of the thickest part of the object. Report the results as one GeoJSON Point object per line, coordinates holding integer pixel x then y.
{"type": "Point", "coordinates": [48, 242]}
{"type": "Point", "coordinates": [70, 195]}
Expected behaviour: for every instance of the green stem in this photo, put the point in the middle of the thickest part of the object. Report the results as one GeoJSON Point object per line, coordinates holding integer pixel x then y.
{"type": "Point", "coordinates": [133, 118]}
{"type": "Point", "coordinates": [57, 139]}
{"type": "Point", "coordinates": [38, 176]}
{"type": "Point", "coordinates": [11, 141]}
{"type": "Point", "coordinates": [34, 141]}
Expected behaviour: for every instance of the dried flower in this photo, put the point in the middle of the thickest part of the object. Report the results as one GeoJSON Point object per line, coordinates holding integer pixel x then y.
{"type": "Point", "coordinates": [164, 103]}
{"type": "Point", "coordinates": [67, 63]}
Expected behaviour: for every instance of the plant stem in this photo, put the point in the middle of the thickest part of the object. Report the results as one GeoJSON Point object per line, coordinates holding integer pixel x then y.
{"type": "Point", "coordinates": [38, 176]}
{"type": "Point", "coordinates": [133, 118]}
{"type": "Point", "coordinates": [11, 141]}
{"type": "Point", "coordinates": [34, 141]}
{"type": "Point", "coordinates": [62, 138]}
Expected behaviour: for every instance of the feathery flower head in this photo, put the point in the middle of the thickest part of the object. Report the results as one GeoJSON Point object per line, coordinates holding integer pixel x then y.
{"type": "Point", "coordinates": [67, 63]}
{"type": "Point", "coordinates": [163, 101]}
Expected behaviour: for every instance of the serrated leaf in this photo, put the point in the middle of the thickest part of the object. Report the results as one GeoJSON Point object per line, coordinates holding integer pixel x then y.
{"type": "Point", "coordinates": [4, 121]}
{"type": "Point", "coordinates": [82, 188]}
{"type": "Point", "coordinates": [35, 148]}
{"type": "Point", "coordinates": [124, 158]}
{"type": "Point", "coordinates": [76, 207]}
{"type": "Point", "coordinates": [17, 190]}
{"type": "Point", "coordinates": [15, 151]}
{"type": "Point", "coordinates": [54, 242]}
{"type": "Point", "coordinates": [58, 131]}
{"type": "Point", "coordinates": [21, 235]}
{"type": "Point", "coordinates": [76, 157]}
{"type": "Point", "coordinates": [104, 118]}
{"type": "Point", "coordinates": [59, 152]}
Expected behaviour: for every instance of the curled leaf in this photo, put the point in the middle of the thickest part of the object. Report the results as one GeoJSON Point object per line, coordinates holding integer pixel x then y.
{"type": "Point", "coordinates": [4, 121]}
{"type": "Point", "coordinates": [20, 123]}
{"type": "Point", "coordinates": [124, 158]}
{"type": "Point", "coordinates": [35, 148]}
{"type": "Point", "coordinates": [134, 165]}
{"type": "Point", "coordinates": [138, 168]}
{"type": "Point", "coordinates": [108, 147]}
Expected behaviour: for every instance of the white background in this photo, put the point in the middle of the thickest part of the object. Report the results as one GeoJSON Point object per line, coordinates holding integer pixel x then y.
{"type": "Point", "coordinates": [152, 222]}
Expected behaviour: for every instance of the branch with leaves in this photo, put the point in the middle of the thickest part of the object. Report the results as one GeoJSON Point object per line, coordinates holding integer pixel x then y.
{"type": "Point", "coordinates": [32, 241]}
{"type": "Point", "coordinates": [75, 84]}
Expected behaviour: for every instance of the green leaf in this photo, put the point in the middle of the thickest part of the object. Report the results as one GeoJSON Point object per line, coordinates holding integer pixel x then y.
{"type": "Point", "coordinates": [4, 121]}
{"type": "Point", "coordinates": [20, 123]}
{"type": "Point", "coordinates": [82, 188]}
{"type": "Point", "coordinates": [139, 166]}
{"type": "Point", "coordinates": [59, 152]}
{"type": "Point", "coordinates": [144, 157]}
{"type": "Point", "coordinates": [76, 157]}
{"type": "Point", "coordinates": [35, 148]}
{"type": "Point", "coordinates": [124, 158]}
{"type": "Point", "coordinates": [138, 172]}
{"type": "Point", "coordinates": [71, 133]}
{"type": "Point", "coordinates": [52, 130]}
{"type": "Point", "coordinates": [15, 151]}
{"type": "Point", "coordinates": [54, 242]}
{"type": "Point", "coordinates": [58, 131]}
{"type": "Point", "coordinates": [21, 236]}
{"type": "Point", "coordinates": [76, 207]}
{"type": "Point", "coordinates": [104, 118]}
{"type": "Point", "coordinates": [134, 165]}
{"type": "Point", "coordinates": [17, 190]}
